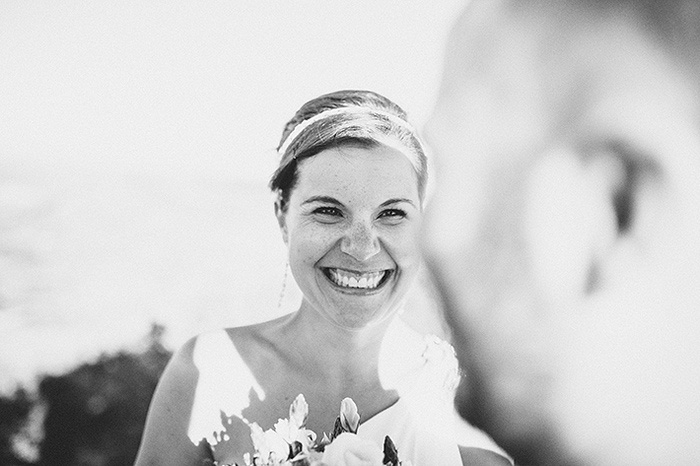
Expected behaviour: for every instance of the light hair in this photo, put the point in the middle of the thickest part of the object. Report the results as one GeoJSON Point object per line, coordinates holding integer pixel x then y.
{"type": "Point", "coordinates": [345, 118]}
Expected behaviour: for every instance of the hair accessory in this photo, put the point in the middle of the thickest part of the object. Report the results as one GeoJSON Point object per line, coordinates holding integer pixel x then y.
{"type": "Point", "coordinates": [298, 129]}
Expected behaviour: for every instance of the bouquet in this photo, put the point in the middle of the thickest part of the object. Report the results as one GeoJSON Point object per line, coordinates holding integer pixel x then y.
{"type": "Point", "coordinates": [290, 443]}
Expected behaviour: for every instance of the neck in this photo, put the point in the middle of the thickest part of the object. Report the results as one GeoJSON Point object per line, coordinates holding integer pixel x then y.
{"type": "Point", "coordinates": [329, 347]}
{"type": "Point", "coordinates": [350, 362]}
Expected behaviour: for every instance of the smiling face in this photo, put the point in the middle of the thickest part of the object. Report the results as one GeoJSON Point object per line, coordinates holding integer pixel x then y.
{"type": "Point", "coordinates": [350, 227]}
{"type": "Point", "coordinates": [564, 237]}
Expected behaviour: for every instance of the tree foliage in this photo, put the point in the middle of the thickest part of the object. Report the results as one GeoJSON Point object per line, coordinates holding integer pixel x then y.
{"type": "Point", "coordinates": [94, 414]}
{"type": "Point", "coordinates": [14, 411]}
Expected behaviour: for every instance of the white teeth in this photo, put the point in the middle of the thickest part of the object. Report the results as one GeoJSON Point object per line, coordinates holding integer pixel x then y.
{"type": "Point", "coordinates": [352, 280]}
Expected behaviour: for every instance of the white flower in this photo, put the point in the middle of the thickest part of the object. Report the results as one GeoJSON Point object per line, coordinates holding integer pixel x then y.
{"type": "Point", "coordinates": [292, 429]}
{"type": "Point", "coordinates": [276, 445]}
{"type": "Point", "coordinates": [291, 433]}
{"type": "Point", "coordinates": [257, 435]}
{"type": "Point", "coordinates": [349, 417]}
{"type": "Point", "coordinates": [269, 444]}
{"type": "Point", "coordinates": [350, 450]}
{"type": "Point", "coordinates": [285, 429]}
{"type": "Point", "coordinates": [298, 411]}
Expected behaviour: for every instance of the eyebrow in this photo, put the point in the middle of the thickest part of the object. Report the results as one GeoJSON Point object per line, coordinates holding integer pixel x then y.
{"type": "Point", "coordinates": [396, 201]}
{"type": "Point", "coordinates": [325, 199]}
{"type": "Point", "coordinates": [334, 201]}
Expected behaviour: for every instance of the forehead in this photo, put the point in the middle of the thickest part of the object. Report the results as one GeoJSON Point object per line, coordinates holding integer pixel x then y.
{"type": "Point", "coordinates": [379, 172]}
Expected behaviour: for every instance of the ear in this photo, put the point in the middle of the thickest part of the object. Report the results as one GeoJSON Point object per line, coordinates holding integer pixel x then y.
{"type": "Point", "coordinates": [281, 220]}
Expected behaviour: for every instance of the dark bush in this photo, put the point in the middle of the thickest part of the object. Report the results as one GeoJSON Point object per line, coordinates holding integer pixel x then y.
{"type": "Point", "coordinates": [95, 413]}
{"type": "Point", "coordinates": [14, 411]}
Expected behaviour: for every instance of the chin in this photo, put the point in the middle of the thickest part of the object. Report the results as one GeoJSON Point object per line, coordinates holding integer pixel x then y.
{"type": "Point", "coordinates": [356, 319]}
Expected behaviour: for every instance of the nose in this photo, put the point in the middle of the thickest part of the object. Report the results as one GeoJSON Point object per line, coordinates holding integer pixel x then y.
{"type": "Point", "coordinates": [360, 242]}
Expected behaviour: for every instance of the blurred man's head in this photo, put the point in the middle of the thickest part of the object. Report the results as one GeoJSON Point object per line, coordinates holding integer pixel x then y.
{"type": "Point", "coordinates": [565, 229]}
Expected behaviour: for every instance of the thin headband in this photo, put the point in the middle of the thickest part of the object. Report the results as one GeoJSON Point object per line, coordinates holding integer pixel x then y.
{"type": "Point", "coordinates": [298, 129]}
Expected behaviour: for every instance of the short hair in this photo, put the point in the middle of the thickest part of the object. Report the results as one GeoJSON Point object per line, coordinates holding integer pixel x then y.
{"type": "Point", "coordinates": [380, 121]}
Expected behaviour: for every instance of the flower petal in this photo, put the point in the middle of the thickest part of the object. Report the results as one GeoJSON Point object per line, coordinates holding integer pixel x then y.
{"type": "Point", "coordinates": [349, 417]}
{"type": "Point", "coordinates": [298, 411]}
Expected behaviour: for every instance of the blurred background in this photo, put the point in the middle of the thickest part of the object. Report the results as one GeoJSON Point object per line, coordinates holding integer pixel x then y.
{"type": "Point", "coordinates": [136, 142]}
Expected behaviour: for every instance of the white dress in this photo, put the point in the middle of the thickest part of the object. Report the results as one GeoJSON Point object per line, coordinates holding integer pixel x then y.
{"type": "Point", "coordinates": [423, 423]}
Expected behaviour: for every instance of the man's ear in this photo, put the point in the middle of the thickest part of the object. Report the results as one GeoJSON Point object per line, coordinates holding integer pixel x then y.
{"type": "Point", "coordinates": [281, 215]}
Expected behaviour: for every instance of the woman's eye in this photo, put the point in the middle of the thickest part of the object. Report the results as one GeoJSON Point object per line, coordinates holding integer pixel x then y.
{"type": "Point", "coordinates": [393, 214]}
{"type": "Point", "coordinates": [328, 211]}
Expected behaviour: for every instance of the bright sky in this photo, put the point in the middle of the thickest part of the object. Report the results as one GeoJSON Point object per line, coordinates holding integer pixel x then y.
{"type": "Point", "coordinates": [136, 140]}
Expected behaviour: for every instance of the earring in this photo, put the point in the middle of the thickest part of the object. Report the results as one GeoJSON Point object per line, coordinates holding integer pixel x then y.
{"type": "Point", "coordinates": [284, 286]}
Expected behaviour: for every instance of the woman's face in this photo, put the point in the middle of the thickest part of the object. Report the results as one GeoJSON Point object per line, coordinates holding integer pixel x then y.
{"type": "Point", "coordinates": [350, 228]}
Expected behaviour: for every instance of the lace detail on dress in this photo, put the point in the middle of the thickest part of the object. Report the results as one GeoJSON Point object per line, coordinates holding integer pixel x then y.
{"type": "Point", "coordinates": [441, 366]}
{"type": "Point", "coordinates": [441, 357]}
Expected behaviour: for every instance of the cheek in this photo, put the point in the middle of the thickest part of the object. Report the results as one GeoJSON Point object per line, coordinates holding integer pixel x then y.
{"type": "Point", "coordinates": [403, 246]}
{"type": "Point", "coordinates": [307, 245]}
{"type": "Point", "coordinates": [304, 252]}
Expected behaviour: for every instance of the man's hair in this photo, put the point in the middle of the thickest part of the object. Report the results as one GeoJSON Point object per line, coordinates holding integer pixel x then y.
{"type": "Point", "coordinates": [675, 24]}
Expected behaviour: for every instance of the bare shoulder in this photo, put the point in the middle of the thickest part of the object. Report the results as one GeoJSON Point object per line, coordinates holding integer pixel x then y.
{"type": "Point", "coordinates": [166, 437]}
{"type": "Point", "coordinates": [207, 384]}
{"type": "Point", "coordinates": [176, 384]}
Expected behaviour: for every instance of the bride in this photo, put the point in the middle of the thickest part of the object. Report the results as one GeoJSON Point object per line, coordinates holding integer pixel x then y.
{"type": "Point", "coordinates": [350, 188]}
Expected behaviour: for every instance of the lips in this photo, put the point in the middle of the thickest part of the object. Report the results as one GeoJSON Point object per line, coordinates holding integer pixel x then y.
{"type": "Point", "coordinates": [357, 280]}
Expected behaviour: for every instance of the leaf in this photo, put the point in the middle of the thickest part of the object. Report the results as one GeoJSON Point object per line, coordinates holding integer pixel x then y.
{"type": "Point", "coordinates": [322, 445]}
{"type": "Point", "coordinates": [391, 454]}
{"type": "Point", "coordinates": [337, 428]}
{"type": "Point", "coordinates": [295, 448]}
